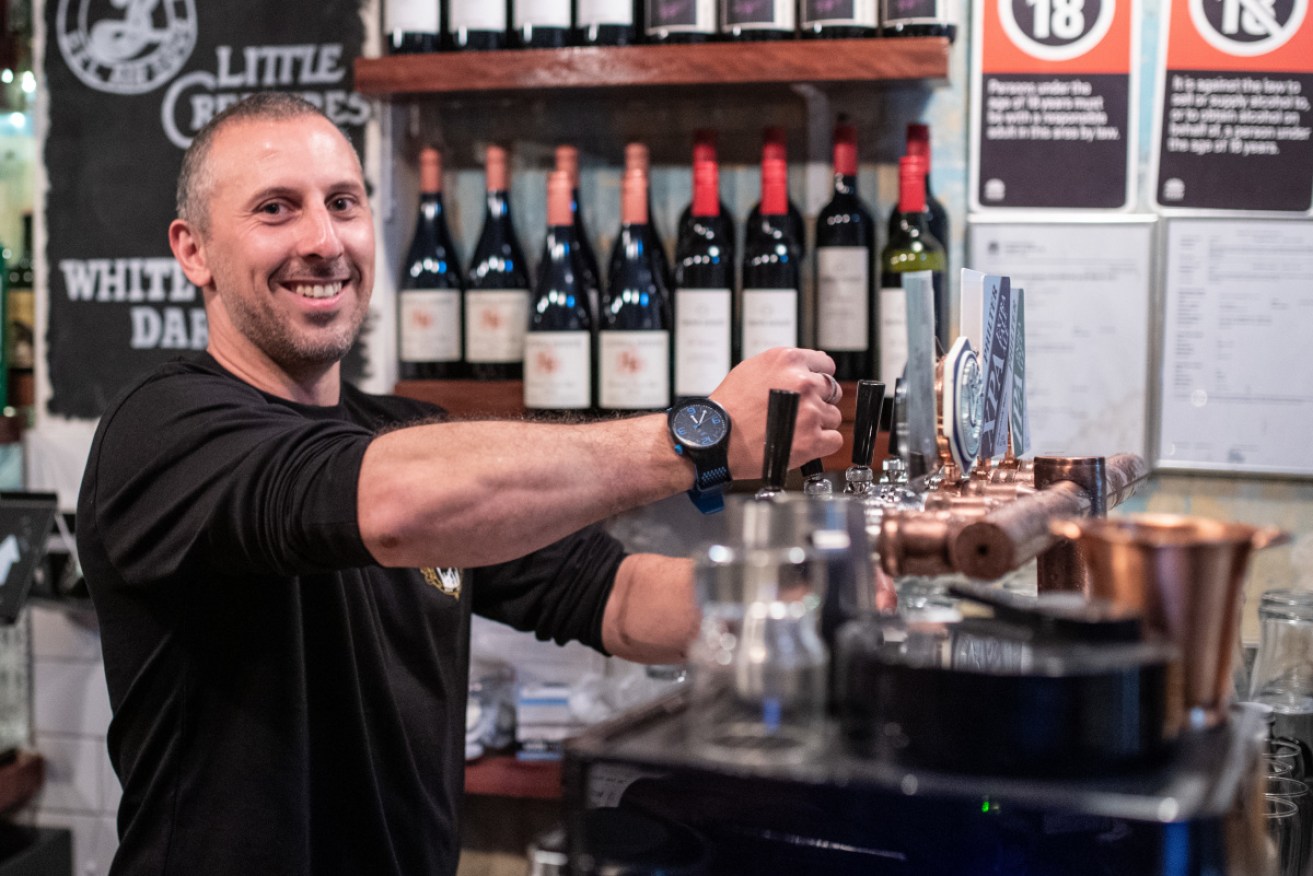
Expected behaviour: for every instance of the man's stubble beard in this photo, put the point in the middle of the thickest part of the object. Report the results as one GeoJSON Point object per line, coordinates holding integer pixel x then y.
{"type": "Point", "coordinates": [259, 321]}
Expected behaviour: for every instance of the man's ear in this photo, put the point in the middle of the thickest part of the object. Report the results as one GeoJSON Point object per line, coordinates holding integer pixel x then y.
{"type": "Point", "coordinates": [187, 249]}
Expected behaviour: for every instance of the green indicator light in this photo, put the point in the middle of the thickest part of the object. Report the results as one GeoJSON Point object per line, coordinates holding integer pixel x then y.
{"type": "Point", "coordinates": [984, 805]}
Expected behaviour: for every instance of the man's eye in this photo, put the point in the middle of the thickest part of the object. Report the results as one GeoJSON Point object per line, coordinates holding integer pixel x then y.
{"type": "Point", "coordinates": [340, 204]}
{"type": "Point", "coordinates": [271, 209]}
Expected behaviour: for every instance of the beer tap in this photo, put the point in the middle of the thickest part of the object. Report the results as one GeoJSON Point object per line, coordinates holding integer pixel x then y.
{"type": "Point", "coordinates": [781, 417]}
{"type": "Point", "coordinates": [859, 479]}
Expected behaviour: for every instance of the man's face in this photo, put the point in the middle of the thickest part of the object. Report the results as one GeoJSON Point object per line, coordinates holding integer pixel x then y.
{"type": "Point", "coordinates": [290, 241]}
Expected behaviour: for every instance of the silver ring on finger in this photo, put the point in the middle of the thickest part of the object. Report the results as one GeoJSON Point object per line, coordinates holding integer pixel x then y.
{"type": "Point", "coordinates": [833, 390]}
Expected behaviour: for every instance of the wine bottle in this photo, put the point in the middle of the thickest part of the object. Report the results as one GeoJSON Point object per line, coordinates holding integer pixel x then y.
{"type": "Point", "coordinates": [918, 18]}
{"type": "Point", "coordinates": [774, 147]}
{"type": "Point", "coordinates": [497, 293]}
{"type": "Point", "coordinates": [633, 338]}
{"type": "Point", "coordinates": [845, 268]}
{"type": "Point", "coordinates": [771, 276]}
{"type": "Point", "coordinates": [20, 339]}
{"type": "Point", "coordinates": [558, 373]}
{"type": "Point", "coordinates": [839, 19]}
{"type": "Point", "coordinates": [637, 161]}
{"type": "Point", "coordinates": [918, 143]}
{"type": "Point", "coordinates": [411, 26]}
{"type": "Point", "coordinates": [911, 248]}
{"type": "Point", "coordinates": [567, 159]}
{"type": "Point", "coordinates": [758, 19]}
{"type": "Point", "coordinates": [680, 21]}
{"type": "Point", "coordinates": [429, 300]}
{"type": "Point", "coordinates": [542, 24]}
{"type": "Point", "coordinates": [704, 150]}
{"type": "Point", "coordinates": [704, 286]}
{"type": "Point", "coordinates": [477, 25]}
{"type": "Point", "coordinates": [606, 23]}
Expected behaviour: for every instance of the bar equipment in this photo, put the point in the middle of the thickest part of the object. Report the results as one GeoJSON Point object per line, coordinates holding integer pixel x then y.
{"type": "Point", "coordinates": [1079, 729]}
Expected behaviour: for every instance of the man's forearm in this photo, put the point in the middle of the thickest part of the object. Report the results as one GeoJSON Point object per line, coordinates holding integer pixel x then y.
{"type": "Point", "coordinates": [475, 493]}
{"type": "Point", "coordinates": [651, 616]}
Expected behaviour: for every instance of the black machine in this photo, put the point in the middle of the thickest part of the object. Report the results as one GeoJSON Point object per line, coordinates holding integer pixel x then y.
{"type": "Point", "coordinates": [639, 802]}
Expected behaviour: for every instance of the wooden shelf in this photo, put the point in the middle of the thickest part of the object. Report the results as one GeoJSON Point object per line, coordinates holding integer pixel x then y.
{"type": "Point", "coordinates": [816, 61]}
{"type": "Point", "coordinates": [505, 398]}
{"type": "Point", "coordinates": [501, 775]}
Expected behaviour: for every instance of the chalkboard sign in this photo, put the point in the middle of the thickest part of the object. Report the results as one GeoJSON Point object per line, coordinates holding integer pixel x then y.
{"type": "Point", "coordinates": [130, 82]}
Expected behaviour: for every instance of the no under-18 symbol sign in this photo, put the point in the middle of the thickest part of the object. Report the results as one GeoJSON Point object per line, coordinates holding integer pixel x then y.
{"type": "Point", "coordinates": [1247, 27]}
{"type": "Point", "coordinates": [1056, 30]}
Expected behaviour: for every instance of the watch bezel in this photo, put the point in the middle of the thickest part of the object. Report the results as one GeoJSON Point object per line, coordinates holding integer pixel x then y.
{"type": "Point", "coordinates": [685, 404]}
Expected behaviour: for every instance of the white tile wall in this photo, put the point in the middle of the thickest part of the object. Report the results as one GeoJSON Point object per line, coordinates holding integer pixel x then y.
{"type": "Point", "coordinates": [70, 718]}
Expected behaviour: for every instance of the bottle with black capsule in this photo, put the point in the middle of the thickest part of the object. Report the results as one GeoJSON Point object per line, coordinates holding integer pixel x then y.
{"type": "Point", "coordinates": [497, 294]}
{"type": "Point", "coordinates": [756, 20]}
{"type": "Point", "coordinates": [607, 22]}
{"type": "Point", "coordinates": [774, 147]}
{"type": "Point", "coordinates": [845, 268]}
{"type": "Point", "coordinates": [680, 21]}
{"type": "Point", "coordinates": [542, 24]}
{"type": "Point", "coordinates": [429, 295]}
{"type": "Point", "coordinates": [839, 19]}
{"type": "Point", "coordinates": [770, 310]}
{"type": "Point", "coordinates": [412, 26]}
{"type": "Point", "coordinates": [919, 18]}
{"type": "Point", "coordinates": [704, 285]}
{"type": "Point", "coordinates": [633, 338]}
{"type": "Point", "coordinates": [558, 348]}
{"type": "Point", "coordinates": [477, 25]}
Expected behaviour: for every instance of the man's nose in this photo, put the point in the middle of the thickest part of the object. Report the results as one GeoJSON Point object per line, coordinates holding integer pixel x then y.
{"type": "Point", "coordinates": [319, 234]}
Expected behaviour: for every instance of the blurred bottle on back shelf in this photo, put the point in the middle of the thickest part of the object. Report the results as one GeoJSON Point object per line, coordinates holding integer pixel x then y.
{"type": "Point", "coordinates": [845, 269]}
{"type": "Point", "coordinates": [497, 289]}
{"type": "Point", "coordinates": [558, 349]}
{"type": "Point", "coordinates": [704, 280]}
{"type": "Point", "coordinates": [839, 19]}
{"type": "Point", "coordinates": [633, 338]}
{"type": "Point", "coordinates": [429, 295]}
{"type": "Point", "coordinates": [680, 21]}
{"type": "Point", "coordinates": [412, 26]}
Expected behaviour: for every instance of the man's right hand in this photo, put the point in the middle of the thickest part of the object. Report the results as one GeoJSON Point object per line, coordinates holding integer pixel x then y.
{"type": "Point", "coordinates": [745, 393]}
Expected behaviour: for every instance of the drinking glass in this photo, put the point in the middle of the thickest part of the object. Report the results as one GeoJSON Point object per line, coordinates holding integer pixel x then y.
{"type": "Point", "coordinates": [1283, 670]}
{"type": "Point", "coordinates": [1296, 792]}
{"type": "Point", "coordinates": [1281, 819]}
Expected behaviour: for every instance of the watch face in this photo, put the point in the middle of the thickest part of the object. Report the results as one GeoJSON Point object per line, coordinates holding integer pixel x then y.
{"type": "Point", "coordinates": [698, 424]}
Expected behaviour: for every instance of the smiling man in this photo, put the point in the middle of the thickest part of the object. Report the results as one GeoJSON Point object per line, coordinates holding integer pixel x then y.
{"type": "Point", "coordinates": [275, 556]}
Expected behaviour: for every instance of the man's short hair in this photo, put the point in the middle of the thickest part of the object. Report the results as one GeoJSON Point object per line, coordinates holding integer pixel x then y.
{"type": "Point", "coordinates": [194, 179]}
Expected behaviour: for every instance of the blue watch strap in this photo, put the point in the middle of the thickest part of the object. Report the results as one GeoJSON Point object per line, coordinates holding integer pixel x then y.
{"type": "Point", "coordinates": [708, 492]}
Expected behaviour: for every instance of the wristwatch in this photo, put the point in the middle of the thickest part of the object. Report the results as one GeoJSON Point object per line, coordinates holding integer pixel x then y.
{"type": "Point", "coordinates": [700, 430]}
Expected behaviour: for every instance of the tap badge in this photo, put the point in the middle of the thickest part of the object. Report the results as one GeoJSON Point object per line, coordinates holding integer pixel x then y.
{"type": "Point", "coordinates": [126, 46]}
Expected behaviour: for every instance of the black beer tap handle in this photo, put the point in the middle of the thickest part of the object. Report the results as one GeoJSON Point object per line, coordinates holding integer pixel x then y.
{"type": "Point", "coordinates": [870, 396]}
{"type": "Point", "coordinates": [781, 416]}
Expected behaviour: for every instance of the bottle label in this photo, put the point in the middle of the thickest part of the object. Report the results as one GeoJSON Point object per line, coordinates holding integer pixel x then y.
{"type": "Point", "coordinates": [595, 12]}
{"type": "Point", "coordinates": [542, 13]}
{"type": "Point", "coordinates": [770, 319]}
{"type": "Point", "coordinates": [759, 14]}
{"type": "Point", "coordinates": [903, 12]}
{"type": "Point", "coordinates": [430, 325]}
{"type": "Point", "coordinates": [411, 16]}
{"type": "Point", "coordinates": [477, 15]}
{"type": "Point", "coordinates": [495, 324]}
{"type": "Point", "coordinates": [558, 370]}
{"type": "Point", "coordinates": [702, 340]}
{"type": "Point", "coordinates": [893, 334]}
{"type": "Point", "coordinates": [634, 370]}
{"type": "Point", "coordinates": [682, 16]}
{"type": "Point", "coordinates": [839, 13]}
{"type": "Point", "coordinates": [842, 305]}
